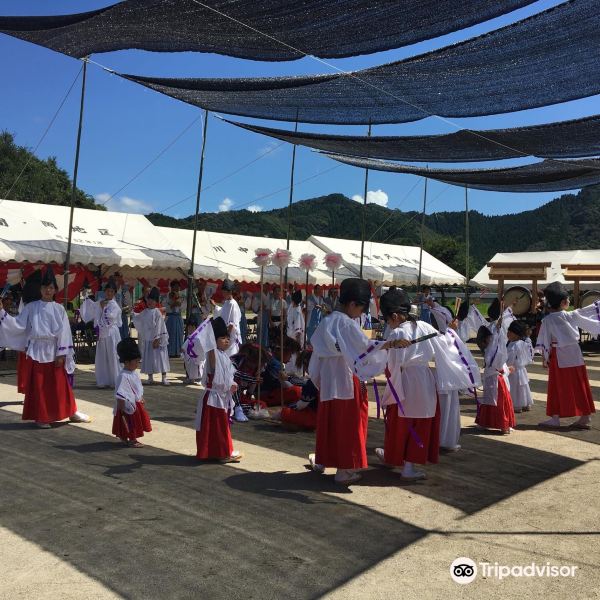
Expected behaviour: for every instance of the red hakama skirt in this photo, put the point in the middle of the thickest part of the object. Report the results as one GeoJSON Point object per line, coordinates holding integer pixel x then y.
{"type": "Point", "coordinates": [402, 445]}
{"type": "Point", "coordinates": [307, 418]}
{"type": "Point", "coordinates": [342, 431]}
{"type": "Point", "coordinates": [501, 416]}
{"type": "Point", "coordinates": [48, 395]}
{"type": "Point", "coordinates": [569, 392]}
{"type": "Point", "coordinates": [213, 441]}
{"type": "Point", "coordinates": [131, 427]}
{"type": "Point", "coordinates": [273, 397]}
{"type": "Point", "coordinates": [21, 358]}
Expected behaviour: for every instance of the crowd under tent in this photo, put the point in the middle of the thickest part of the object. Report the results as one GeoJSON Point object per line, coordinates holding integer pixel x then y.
{"type": "Point", "coordinates": [389, 263]}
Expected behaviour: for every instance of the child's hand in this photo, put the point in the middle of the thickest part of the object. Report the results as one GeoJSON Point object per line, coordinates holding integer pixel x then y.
{"type": "Point", "coordinates": [544, 364]}
{"type": "Point", "coordinates": [511, 369]}
{"type": "Point", "coordinates": [234, 388]}
{"type": "Point", "coordinates": [156, 343]}
{"type": "Point", "coordinates": [59, 361]}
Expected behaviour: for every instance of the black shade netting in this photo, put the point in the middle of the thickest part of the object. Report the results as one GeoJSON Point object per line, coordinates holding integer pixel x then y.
{"type": "Point", "coordinates": [546, 176]}
{"type": "Point", "coordinates": [258, 29]}
{"type": "Point", "coordinates": [565, 139]}
{"type": "Point", "coordinates": [549, 58]}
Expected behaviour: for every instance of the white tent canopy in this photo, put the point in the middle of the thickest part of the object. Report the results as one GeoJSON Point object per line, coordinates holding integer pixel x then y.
{"type": "Point", "coordinates": [107, 238]}
{"type": "Point", "coordinates": [23, 237]}
{"type": "Point", "coordinates": [554, 272]}
{"type": "Point", "coordinates": [231, 255]}
{"type": "Point", "coordinates": [389, 263]}
{"type": "Point", "coordinates": [129, 242]}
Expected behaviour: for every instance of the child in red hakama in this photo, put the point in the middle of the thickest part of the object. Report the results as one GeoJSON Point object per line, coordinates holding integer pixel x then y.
{"type": "Point", "coordinates": [130, 419]}
{"type": "Point", "coordinates": [43, 332]}
{"type": "Point", "coordinates": [213, 435]}
{"type": "Point", "coordinates": [412, 422]}
{"type": "Point", "coordinates": [495, 409]}
{"type": "Point", "coordinates": [340, 360]}
{"type": "Point", "coordinates": [569, 393]}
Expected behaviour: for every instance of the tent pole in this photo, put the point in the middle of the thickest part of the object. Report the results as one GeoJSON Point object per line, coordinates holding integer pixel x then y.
{"type": "Point", "coordinates": [291, 199]}
{"type": "Point", "coordinates": [188, 312]}
{"type": "Point", "coordinates": [74, 188]}
{"type": "Point", "coordinates": [467, 249]}
{"type": "Point", "coordinates": [364, 215]}
{"type": "Point", "coordinates": [422, 238]}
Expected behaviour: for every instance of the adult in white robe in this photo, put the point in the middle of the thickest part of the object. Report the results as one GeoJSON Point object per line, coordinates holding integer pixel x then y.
{"type": "Point", "coordinates": [107, 317]}
{"type": "Point", "coordinates": [231, 314]}
{"type": "Point", "coordinates": [154, 339]}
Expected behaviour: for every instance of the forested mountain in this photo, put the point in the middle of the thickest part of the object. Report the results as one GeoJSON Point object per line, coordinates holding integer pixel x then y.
{"type": "Point", "coordinates": [568, 223]}
{"type": "Point", "coordinates": [41, 181]}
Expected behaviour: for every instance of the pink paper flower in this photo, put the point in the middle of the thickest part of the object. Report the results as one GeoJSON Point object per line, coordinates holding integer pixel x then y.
{"type": "Point", "coordinates": [308, 262]}
{"type": "Point", "coordinates": [263, 257]}
{"type": "Point", "coordinates": [333, 261]}
{"type": "Point", "coordinates": [281, 258]}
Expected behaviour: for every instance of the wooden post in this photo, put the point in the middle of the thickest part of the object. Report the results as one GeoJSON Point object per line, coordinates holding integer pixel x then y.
{"type": "Point", "coordinates": [576, 293]}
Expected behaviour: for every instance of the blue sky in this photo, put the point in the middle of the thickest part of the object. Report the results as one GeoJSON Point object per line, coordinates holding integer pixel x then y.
{"type": "Point", "coordinates": [126, 126]}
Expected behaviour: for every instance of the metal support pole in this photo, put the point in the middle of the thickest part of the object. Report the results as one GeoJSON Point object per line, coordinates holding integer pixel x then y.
{"type": "Point", "coordinates": [74, 188]}
{"type": "Point", "coordinates": [289, 213]}
{"type": "Point", "coordinates": [364, 216]}
{"type": "Point", "coordinates": [422, 238]}
{"type": "Point", "coordinates": [467, 249]}
{"type": "Point", "coordinates": [198, 194]}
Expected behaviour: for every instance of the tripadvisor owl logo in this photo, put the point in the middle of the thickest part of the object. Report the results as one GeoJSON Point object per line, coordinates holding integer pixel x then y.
{"type": "Point", "coordinates": [463, 570]}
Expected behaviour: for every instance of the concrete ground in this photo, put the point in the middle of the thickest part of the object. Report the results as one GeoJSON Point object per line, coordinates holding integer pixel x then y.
{"type": "Point", "coordinates": [83, 517]}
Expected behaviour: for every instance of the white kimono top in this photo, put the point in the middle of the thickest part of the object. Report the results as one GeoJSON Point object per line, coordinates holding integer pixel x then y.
{"type": "Point", "coordinates": [220, 395]}
{"type": "Point", "coordinates": [339, 353]}
{"type": "Point", "coordinates": [560, 329]}
{"type": "Point", "coordinates": [410, 374]}
{"type": "Point", "coordinates": [231, 314]}
{"type": "Point", "coordinates": [151, 325]}
{"type": "Point", "coordinates": [295, 322]}
{"type": "Point", "coordinates": [495, 356]}
{"type": "Point", "coordinates": [105, 319]}
{"type": "Point", "coordinates": [520, 354]}
{"type": "Point", "coordinates": [42, 331]}
{"type": "Point", "coordinates": [129, 388]}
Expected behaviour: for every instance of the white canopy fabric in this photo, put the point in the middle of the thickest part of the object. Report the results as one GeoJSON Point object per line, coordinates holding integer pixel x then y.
{"type": "Point", "coordinates": [129, 242]}
{"type": "Point", "coordinates": [389, 263]}
{"type": "Point", "coordinates": [555, 272]}
{"type": "Point", "coordinates": [220, 255]}
{"type": "Point", "coordinates": [105, 238]}
{"type": "Point", "coordinates": [23, 237]}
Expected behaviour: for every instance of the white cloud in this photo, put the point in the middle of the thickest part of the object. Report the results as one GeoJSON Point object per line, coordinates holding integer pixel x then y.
{"type": "Point", "coordinates": [123, 204]}
{"type": "Point", "coordinates": [225, 205]}
{"type": "Point", "coordinates": [379, 197]}
{"type": "Point", "coordinates": [254, 208]}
